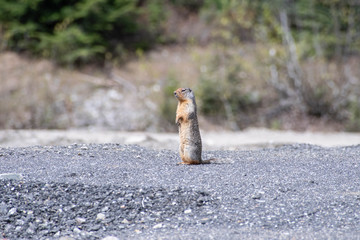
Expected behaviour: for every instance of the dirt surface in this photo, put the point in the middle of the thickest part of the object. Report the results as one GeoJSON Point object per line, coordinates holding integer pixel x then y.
{"type": "Point", "coordinates": [248, 139]}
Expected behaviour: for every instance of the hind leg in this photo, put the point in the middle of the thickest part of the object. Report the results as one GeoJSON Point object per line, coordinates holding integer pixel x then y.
{"type": "Point", "coordinates": [187, 158]}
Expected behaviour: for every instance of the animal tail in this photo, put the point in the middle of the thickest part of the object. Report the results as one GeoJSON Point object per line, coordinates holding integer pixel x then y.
{"type": "Point", "coordinates": [216, 161]}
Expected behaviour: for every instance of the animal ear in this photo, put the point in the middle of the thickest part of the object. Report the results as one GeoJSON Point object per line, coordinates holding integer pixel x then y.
{"type": "Point", "coordinates": [190, 90]}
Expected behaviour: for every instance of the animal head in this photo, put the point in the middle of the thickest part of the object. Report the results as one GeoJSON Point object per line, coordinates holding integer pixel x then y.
{"type": "Point", "coordinates": [183, 94]}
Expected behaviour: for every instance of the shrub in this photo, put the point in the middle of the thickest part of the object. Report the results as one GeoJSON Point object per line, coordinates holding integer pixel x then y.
{"type": "Point", "coordinates": [353, 123]}
{"type": "Point", "coordinates": [78, 31]}
{"type": "Point", "coordinates": [224, 90]}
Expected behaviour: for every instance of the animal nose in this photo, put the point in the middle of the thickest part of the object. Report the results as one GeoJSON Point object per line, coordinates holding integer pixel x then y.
{"type": "Point", "coordinates": [175, 93]}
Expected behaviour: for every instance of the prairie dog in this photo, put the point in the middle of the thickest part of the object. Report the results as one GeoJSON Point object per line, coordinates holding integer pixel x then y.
{"type": "Point", "coordinates": [186, 119]}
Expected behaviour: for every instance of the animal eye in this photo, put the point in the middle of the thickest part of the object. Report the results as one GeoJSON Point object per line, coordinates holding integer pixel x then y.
{"type": "Point", "coordinates": [183, 90]}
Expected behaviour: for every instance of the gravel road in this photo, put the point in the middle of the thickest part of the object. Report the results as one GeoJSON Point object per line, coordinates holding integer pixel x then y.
{"type": "Point", "coordinates": [113, 191]}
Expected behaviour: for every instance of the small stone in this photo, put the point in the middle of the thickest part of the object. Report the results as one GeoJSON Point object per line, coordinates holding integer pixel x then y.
{"type": "Point", "coordinates": [110, 238]}
{"type": "Point", "coordinates": [45, 224]}
{"type": "Point", "coordinates": [80, 220]}
{"type": "Point", "coordinates": [19, 222]}
{"type": "Point", "coordinates": [76, 230]}
{"type": "Point", "coordinates": [100, 216]}
{"type": "Point", "coordinates": [8, 227]}
{"type": "Point", "coordinates": [125, 221]}
{"type": "Point", "coordinates": [105, 209]}
{"type": "Point", "coordinates": [105, 148]}
{"type": "Point", "coordinates": [187, 211]}
{"type": "Point", "coordinates": [30, 230]}
{"type": "Point", "coordinates": [3, 208]}
{"type": "Point", "coordinates": [11, 176]}
{"type": "Point", "coordinates": [12, 211]}
{"type": "Point", "coordinates": [257, 195]}
{"type": "Point", "coordinates": [159, 225]}
{"type": "Point", "coordinates": [84, 148]}
{"type": "Point", "coordinates": [204, 220]}
{"type": "Point", "coordinates": [66, 238]}
{"type": "Point", "coordinates": [95, 227]}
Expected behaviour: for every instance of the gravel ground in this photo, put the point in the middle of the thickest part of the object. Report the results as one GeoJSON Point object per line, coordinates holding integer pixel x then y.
{"type": "Point", "coordinates": [112, 191]}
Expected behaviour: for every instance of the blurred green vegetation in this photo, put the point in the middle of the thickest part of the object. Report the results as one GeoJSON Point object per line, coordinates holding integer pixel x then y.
{"type": "Point", "coordinates": [72, 32]}
{"type": "Point", "coordinates": [354, 120]}
{"type": "Point", "coordinates": [298, 34]}
{"type": "Point", "coordinates": [86, 30]}
{"type": "Point", "coordinates": [224, 91]}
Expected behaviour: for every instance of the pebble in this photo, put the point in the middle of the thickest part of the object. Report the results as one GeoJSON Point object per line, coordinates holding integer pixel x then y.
{"type": "Point", "coordinates": [65, 237]}
{"type": "Point", "coordinates": [12, 211]}
{"type": "Point", "coordinates": [84, 148]}
{"type": "Point", "coordinates": [187, 211]}
{"type": "Point", "coordinates": [159, 225]}
{"type": "Point", "coordinates": [100, 216]}
{"type": "Point", "coordinates": [95, 227]}
{"type": "Point", "coordinates": [105, 209]}
{"type": "Point", "coordinates": [258, 195]}
{"type": "Point", "coordinates": [80, 220]}
{"type": "Point", "coordinates": [30, 231]}
{"type": "Point", "coordinates": [3, 208]}
{"type": "Point", "coordinates": [11, 176]}
{"type": "Point", "coordinates": [125, 221]}
{"type": "Point", "coordinates": [110, 238]}
{"type": "Point", "coordinates": [19, 222]}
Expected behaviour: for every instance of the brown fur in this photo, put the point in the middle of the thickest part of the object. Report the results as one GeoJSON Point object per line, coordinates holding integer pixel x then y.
{"type": "Point", "coordinates": [186, 118]}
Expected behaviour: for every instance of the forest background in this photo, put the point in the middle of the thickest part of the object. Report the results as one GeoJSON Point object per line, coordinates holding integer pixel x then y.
{"type": "Point", "coordinates": [114, 64]}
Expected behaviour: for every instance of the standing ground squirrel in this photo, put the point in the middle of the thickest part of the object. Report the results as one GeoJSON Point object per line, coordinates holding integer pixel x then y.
{"type": "Point", "coordinates": [186, 119]}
